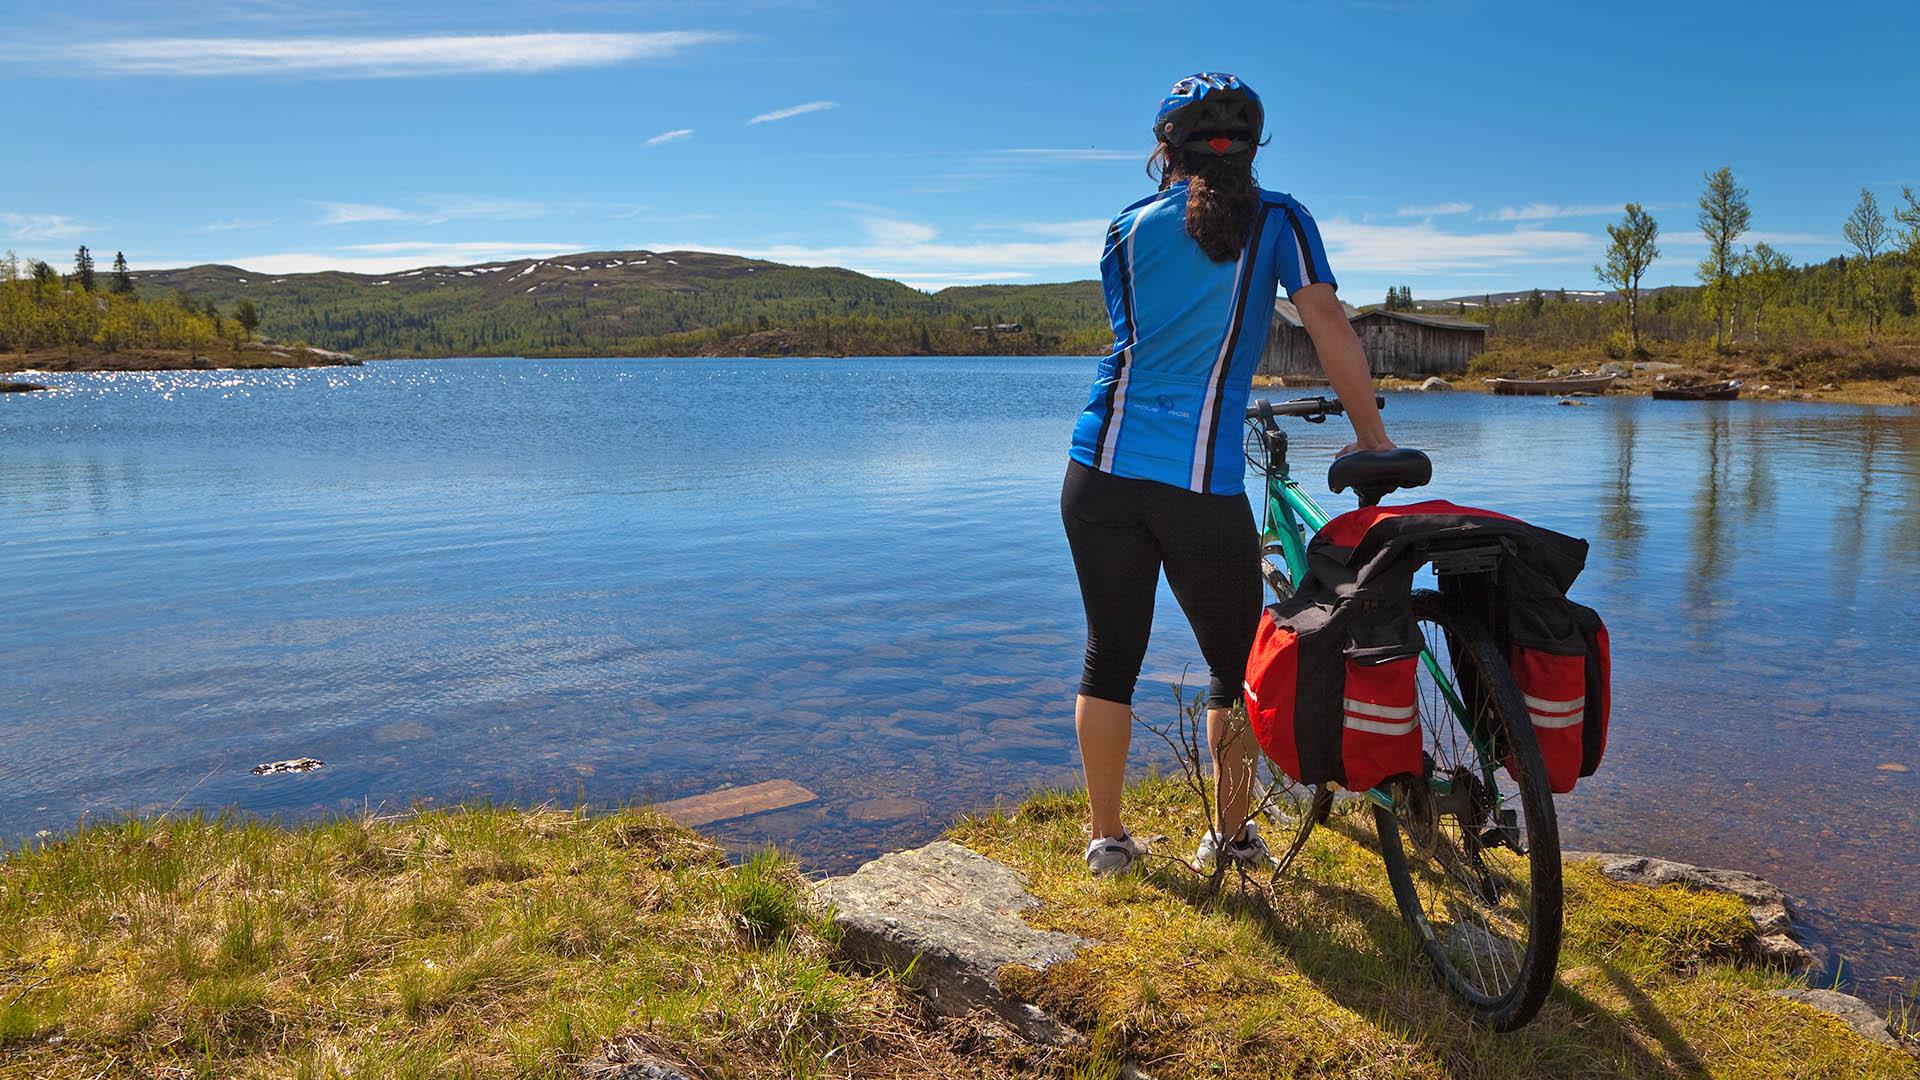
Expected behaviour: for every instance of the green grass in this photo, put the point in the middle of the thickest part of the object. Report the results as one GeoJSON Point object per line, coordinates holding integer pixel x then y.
{"type": "Point", "coordinates": [487, 942]}
{"type": "Point", "coordinates": [1326, 979]}
{"type": "Point", "coordinates": [476, 942]}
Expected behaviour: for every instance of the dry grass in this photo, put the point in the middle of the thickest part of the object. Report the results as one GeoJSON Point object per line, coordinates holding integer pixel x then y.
{"type": "Point", "coordinates": [1325, 980]}
{"type": "Point", "coordinates": [478, 942]}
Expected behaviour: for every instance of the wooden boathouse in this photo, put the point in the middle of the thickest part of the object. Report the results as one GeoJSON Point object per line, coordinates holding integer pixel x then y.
{"type": "Point", "coordinates": [1396, 342]}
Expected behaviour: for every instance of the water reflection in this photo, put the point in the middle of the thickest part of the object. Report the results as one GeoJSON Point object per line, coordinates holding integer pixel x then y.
{"type": "Point", "coordinates": [1621, 521]}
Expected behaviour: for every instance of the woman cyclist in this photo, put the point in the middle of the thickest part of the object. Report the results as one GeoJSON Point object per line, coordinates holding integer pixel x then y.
{"type": "Point", "coordinates": [1155, 478]}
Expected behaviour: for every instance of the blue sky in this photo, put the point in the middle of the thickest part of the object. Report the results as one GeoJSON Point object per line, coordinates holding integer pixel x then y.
{"type": "Point", "coordinates": [1451, 145]}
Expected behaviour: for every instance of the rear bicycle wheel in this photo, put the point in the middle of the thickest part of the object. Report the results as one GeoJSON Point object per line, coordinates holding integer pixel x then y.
{"type": "Point", "coordinates": [1472, 849]}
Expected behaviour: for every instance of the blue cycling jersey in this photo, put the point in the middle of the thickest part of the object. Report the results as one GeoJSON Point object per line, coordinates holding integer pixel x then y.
{"type": "Point", "coordinates": [1187, 335]}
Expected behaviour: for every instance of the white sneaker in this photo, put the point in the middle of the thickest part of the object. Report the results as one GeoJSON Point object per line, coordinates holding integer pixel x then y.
{"type": "Point", "coordinates": [1109, 855]}
{"type": "Point", "coordinates": [1247, 849]}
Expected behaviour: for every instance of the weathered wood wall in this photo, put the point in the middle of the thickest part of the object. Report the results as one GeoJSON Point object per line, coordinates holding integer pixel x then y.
{"type": "Point", "coordinates": [1402, 347]}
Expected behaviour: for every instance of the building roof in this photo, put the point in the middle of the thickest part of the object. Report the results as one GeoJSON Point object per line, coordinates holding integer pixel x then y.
{"type": "Point", "coordinates": [1444, 322]}
{"type": "Point", "coordinates": [1286, 310]}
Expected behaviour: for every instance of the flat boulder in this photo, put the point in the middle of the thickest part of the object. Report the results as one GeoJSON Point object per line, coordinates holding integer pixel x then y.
{"type": "Point", "coordinates": [1858, 1014]}
{"type": "Point", "coordinates": [1775, 943]}
{"type": "Point", "coordinates": [1657, 365]}
{"type": "Point", "coordinates": [1435, 382]}
{"type": "Point", "coordinates": [957, 913]}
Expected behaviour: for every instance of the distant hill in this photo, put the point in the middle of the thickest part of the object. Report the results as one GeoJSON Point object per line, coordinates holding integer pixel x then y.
{"type": "Point", "coordinates": [1578, 296]}
{"type": "Point", "coordinates": [646, 303]}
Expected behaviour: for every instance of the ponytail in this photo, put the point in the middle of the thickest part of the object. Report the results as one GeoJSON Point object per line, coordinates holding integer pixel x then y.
{"type": "Point", "coordinates": [1222, 197]}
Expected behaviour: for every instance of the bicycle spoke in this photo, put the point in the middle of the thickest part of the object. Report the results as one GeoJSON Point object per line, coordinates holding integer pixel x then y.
{"type": "Point", "coordinates": [1468, 878]}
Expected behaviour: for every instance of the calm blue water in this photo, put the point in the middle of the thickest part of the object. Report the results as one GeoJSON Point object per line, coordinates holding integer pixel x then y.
{"type": "Point", "coordinates": [628, 580]}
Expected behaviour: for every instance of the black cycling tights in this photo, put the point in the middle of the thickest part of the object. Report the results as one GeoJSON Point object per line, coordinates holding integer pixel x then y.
{"type": "Point", "coordinates": [1122, 532]}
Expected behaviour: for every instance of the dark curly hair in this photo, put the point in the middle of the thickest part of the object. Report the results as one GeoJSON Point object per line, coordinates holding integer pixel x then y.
{"type": "Point", "coordinates": [1222, 196]}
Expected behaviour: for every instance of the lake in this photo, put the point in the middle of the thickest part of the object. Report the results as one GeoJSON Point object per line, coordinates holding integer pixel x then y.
{"type": "Point", "coordinates": [619, 580]}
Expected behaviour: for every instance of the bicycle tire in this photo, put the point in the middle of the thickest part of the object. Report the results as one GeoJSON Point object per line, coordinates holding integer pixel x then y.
{"type": "Point", "coordinates": [1499, 700]}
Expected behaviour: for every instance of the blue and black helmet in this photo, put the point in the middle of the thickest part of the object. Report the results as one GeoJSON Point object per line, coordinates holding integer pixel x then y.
{"type": "Point", "coordinates": [1210, 113]}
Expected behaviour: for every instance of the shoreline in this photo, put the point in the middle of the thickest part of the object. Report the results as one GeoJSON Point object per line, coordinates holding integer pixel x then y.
{"type": "Point", "coordinates": [250, 356]}
{"type": "Point", "coordinates": [246, 356]}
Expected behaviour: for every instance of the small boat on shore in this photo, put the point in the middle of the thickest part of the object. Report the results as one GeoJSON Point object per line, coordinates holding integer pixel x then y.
{"type": "Point", "coordinates": [1711, 391]}
{"type": "Point", "coordinates": [1560, 387]}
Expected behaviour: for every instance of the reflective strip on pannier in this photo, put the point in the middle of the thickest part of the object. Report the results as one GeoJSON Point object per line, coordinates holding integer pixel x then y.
{"type": "Point", "coordinates": [1381, 722]}
{"type": "Point", "coordinates": [1555, 689]}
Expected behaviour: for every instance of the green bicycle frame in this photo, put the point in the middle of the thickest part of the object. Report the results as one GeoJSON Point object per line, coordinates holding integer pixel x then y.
{"type": "Point", "coordinates": [1287, 505]}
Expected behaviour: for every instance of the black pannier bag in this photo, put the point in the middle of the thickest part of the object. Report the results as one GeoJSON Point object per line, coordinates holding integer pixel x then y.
{"type": "Point", "coordinates": [1331, 679]}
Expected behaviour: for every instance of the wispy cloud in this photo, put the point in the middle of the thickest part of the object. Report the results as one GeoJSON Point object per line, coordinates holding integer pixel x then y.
{"type": "Point", "coordinates": [1434, 210]}
{"type": "Point", "coordinates": [237, 224]}
{"type": "Point", "coordinates": [42, 226]}
{"type": "Point", "coordinates": [380, 57]}
{"type": "Point", "coordinates": [794, 110]}
{"type": "Point", "coordinates": [1063, 230]}
{"type": "Point", "coordinates": [914, 253]}
{"type": "Point", "coordinates": [438, 209]}
{"type": "Point", "coordinates": [1692, 238]}
{"type": "Point", "coordinates": [676, 135]}
{"type": "Point", "coordinates": [1071, 153]}
{"type": "Point", "coordinates": [1425, 248]}
{"type": "Point", "coordinates": [394, 256]}
{"type": "Point", "coordinates": [1549, 211]}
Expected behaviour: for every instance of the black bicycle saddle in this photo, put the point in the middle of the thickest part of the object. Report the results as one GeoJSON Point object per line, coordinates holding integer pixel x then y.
{"type": "Point", "coordinates": [1374, 473]}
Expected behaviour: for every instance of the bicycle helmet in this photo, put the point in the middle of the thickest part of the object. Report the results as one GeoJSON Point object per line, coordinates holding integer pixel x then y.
{"type": "Point", "coordinates": [1210, 113]}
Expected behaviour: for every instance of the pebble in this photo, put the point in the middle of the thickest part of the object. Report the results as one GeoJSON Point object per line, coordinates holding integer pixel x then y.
{"type": "Point", "coordinates": [1893, 766]}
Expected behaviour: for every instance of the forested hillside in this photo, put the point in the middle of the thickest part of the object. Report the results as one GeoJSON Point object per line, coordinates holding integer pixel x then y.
{"type": "Point", "coordinates": [645, 303]}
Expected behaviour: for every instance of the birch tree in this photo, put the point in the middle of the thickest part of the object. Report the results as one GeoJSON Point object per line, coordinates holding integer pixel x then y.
{"type": "Point", "coordinates": [1633, 249]}
{"type": "Point", "coordinates": [1724, 215]}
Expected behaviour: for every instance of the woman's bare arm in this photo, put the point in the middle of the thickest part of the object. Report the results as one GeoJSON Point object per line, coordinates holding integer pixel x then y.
{"type": "Point", "coordinates": [1344, 363]}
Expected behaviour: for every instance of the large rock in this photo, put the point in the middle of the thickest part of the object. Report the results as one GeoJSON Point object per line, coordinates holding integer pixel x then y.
{"type": "Point", "coordinates": [1613, 368]}
{"type": "Point", "coordinates": [957, 913]}
{"type": "Point", "coordinates": [1858, 1014]}
{"type": "Point", "coordinates": [1657, 365]}
{"type": "Point", "coordinates": [1775, 940]}
{"type": "Point", "coordinates": [1435, 382]}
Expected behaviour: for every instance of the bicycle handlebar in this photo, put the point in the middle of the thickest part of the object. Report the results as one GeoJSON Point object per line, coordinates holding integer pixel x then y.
{"type": "Point", "coordinates": [1312, 407]}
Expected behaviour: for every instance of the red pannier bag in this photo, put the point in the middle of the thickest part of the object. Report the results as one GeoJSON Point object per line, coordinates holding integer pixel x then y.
{"type": "Point", "coordinates": [1325, 711]}
{"type": "Point", "coordinates": [1565, 681]}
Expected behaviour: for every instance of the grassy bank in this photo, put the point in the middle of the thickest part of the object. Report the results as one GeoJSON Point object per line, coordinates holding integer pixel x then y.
{"type": "Point", "coordinates": [1885, 373]}
{"type": "Point", "coordinates": [222, 354]}
{"type": "Point", "coordinates": [490, 942]}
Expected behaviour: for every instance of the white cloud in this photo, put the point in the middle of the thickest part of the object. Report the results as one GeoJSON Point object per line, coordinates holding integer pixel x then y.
{"type": "Point", "coordinates": [237, 224]}
{"type": "Point", "coordinates": [1063, 230]}
{"type": "Point", "coordinates": [369, 57]}
{"type": "Point", "coordinates": [894, 231]}
{"type": "Point", "coordinates": [342, 213]}
{"type": "Point", "coordinates": [42, 226]}
{"type": "Point", "coordinates": [910, 252]}
{"type": "Point", "coordinates": [439, 209]}
{"type": "Point", "coordinates": [1435, 210]}
{"type": "Point", "coordinates": [1547, 211]}
{"type": "Point", "coordinates": [794, 110]}
{"type": "Point", "coordinates": [1072, 154]}
{"type": "Point", "coordinates": [1692, 238]}
{"type": "Point", "coordinates": [1425, 249]}
{"type": "Point", "coordinates": [675, 135]}
{"type": "Point", "coordinates": [390, 257]}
